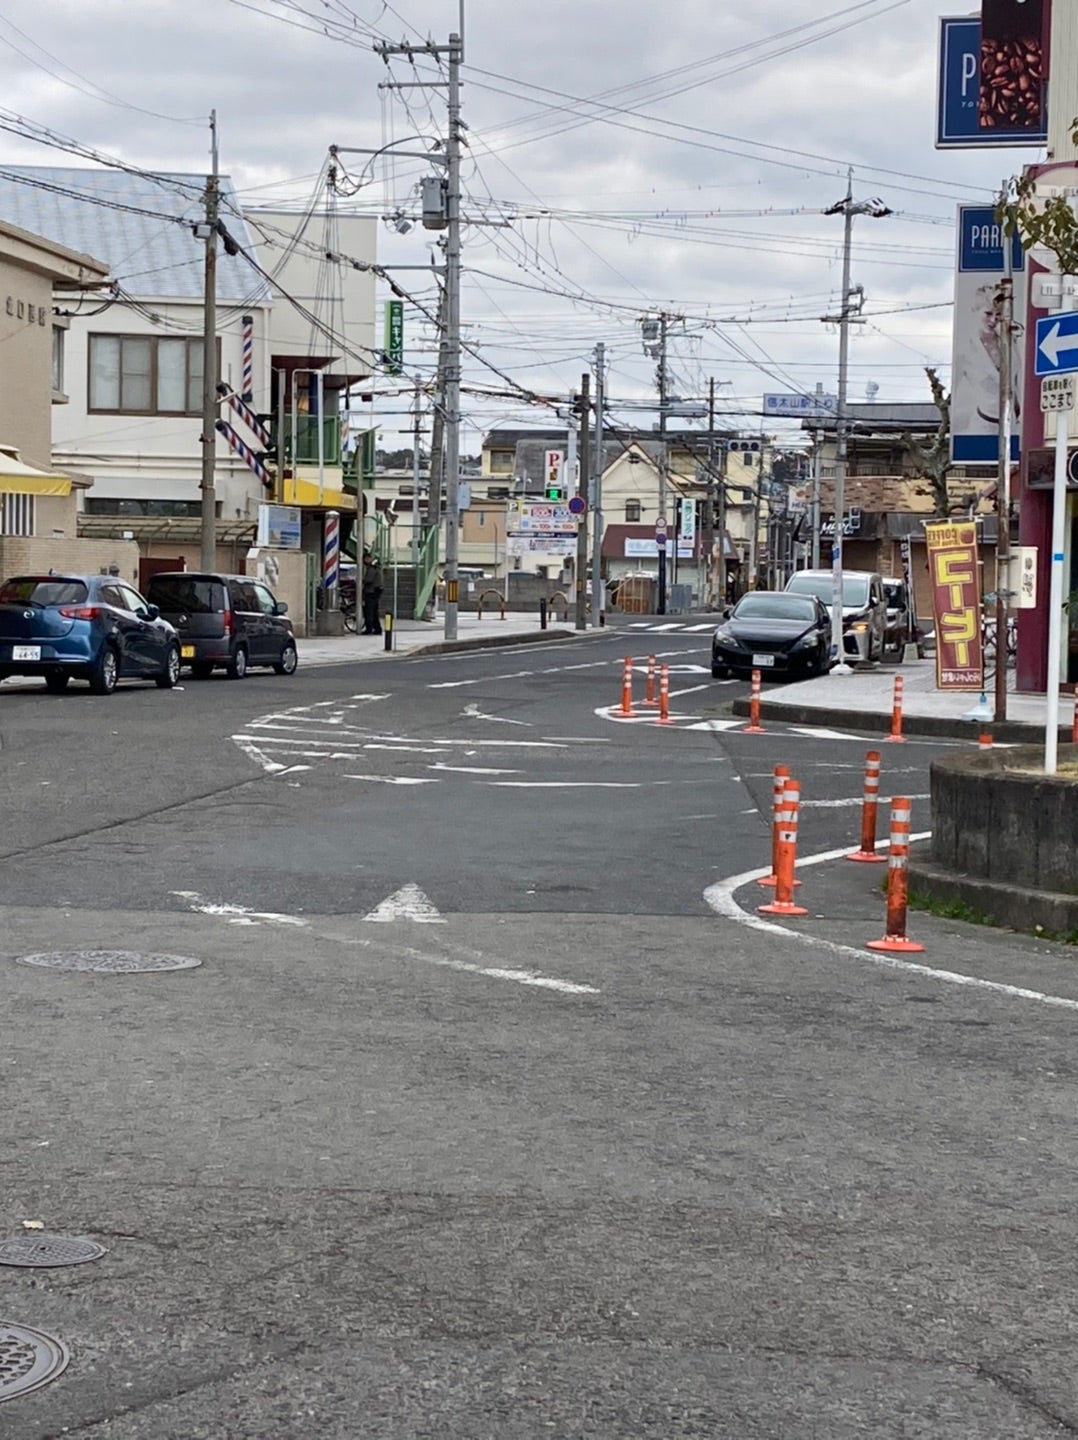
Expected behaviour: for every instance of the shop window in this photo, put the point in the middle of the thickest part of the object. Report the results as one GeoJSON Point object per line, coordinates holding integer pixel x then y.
{"type": "Point", "coordinates": [145, 375]}
{"type": "Point", "coordinates": [632, 512]}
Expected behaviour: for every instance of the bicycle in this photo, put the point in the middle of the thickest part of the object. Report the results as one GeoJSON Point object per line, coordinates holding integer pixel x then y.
{"type": "Point", "coordinates": [988, 642]}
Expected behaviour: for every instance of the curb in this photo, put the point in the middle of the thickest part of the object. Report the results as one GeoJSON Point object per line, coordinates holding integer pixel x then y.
{"type": "Point", "coordinates": [940, 726]}
{"type": "Point", "coordinates": [1043, 913]}
{"type": "Point", "coordinates": [480, 642]}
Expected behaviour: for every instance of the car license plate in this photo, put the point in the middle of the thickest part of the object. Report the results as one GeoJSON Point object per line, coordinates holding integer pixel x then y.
{"type": "Point", "coordinates": [763, 661]}
{"type": "Point", "coordinates": [26, 652]}
{"type": "Point", "coordinates": [187, 652]}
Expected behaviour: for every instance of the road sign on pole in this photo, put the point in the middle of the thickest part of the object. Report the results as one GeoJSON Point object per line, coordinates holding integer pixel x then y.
{"type": "Point", "coordinates": [1057, 344]}
{"type": "Point", "coordinates": [1057, 393]}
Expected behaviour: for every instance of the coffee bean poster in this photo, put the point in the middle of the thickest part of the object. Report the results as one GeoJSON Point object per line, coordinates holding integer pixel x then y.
{"type": "Point", "coordinates": [1013, 69]}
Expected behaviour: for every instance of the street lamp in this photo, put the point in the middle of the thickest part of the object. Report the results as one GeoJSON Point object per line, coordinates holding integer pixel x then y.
{"type": "Point", "coordinates": [847, 207]}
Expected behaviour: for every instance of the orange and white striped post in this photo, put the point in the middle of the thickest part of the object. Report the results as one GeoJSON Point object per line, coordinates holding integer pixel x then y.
{"type": "Point", "coordinates": [868, 854]}
{"type": "Point", "coordinates": [664, 696]}
{"type": "Point", "coordinates": [896, 940]}
{"type": "Point", "coordinates": [985, 740]}
{"type": "Point", "coordinates": [896, 734]}
{"type": "Point", "coordinates": [627, 687]}
{"type": "Point", "coordinates": [754, 727]}
{"type": "Point", "coordinates": [778, 785]}
{"type": "Point", "coordinates": [649, 694]}
{"type": "Point", "coordinates": [786, 856]}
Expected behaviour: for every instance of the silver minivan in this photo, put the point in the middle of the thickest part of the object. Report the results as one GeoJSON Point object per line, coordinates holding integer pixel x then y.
{"type": "Point", "coordinates": [864, 609]}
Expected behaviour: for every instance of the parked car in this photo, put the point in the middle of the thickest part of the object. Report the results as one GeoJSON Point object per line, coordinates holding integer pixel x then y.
{"type": "Point", "coordinates": [227, 621]}
{"type": "Point", "coordinates": [775, 632]}
{"type": "Point", "coordinates": [84, 627]}
{"type": "Point", "coordinates": [902, 629]}
{"type": "Point", "coordinates": [864, 608]}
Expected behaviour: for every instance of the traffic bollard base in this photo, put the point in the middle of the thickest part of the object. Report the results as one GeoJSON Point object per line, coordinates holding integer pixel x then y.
{"type": "Point", "coordinates": [754, 730]}
{"type": "Point", "coordinates": [894, 739]}
{"type": "Point", "coordinates": [896, 945]}
{"type": "Point", "coordinates": [868, 857]}
{"type": "Point", "coordinates": [773, 880]}
{"type": "Point", "coordinates": [781, 907]}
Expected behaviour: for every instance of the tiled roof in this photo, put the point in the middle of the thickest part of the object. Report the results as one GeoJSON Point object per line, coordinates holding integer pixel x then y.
{"type": "Point", "coordinates": [152, 256]}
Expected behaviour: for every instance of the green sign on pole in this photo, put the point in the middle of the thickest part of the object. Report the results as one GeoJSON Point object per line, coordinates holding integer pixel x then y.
{"type": "Point", "coordinates": [394, 337]}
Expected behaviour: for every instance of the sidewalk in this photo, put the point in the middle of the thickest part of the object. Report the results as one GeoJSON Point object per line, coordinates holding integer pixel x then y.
{"type": "Point", "coordinates": [427, 637]}
{"type": "Point", "coordinates": [864, 699]}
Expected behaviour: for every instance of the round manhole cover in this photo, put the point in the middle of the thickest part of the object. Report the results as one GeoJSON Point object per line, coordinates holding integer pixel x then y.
{"type": "Point", "coordinates": [108, 962]}
{"type": "Point", "coordinates": [28, 1358]}
{"type": "Point", "coordinates": [39, 1251]}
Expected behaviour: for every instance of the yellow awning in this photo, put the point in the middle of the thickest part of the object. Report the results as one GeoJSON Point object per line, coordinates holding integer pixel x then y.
{"type": "Point", "coordinates": [38, 484]}
{"type": "Point", "coordinates": [311, 496]}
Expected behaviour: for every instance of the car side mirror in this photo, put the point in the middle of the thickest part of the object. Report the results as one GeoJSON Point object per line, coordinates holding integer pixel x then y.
{"type": "Point", "coordinates": [149, 612]}
{"type": "Point", "coordinates": [281, 607]}
{"type": "Point", "coordinates": [727, 611]}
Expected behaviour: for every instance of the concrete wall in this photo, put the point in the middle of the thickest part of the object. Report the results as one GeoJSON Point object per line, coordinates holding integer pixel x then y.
{"type": "Point", "coordinates": [26, 336]}
{"type": "Point", "coordinates": [285, 572]}
{"type": "Point", "coordinates": [33, 555]}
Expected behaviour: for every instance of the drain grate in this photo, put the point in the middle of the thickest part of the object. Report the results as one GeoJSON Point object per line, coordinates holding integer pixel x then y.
{"type": "Point", "coordinates": [41, 1251]}
{"type": "Point", "coordinates": [108, 962]}
{"type": "Point", "coordinates": [28, 1358]}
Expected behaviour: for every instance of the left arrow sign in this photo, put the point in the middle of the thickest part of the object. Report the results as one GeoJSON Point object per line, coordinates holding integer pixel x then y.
{"type": "Point", "coordinates": [1057, 344]}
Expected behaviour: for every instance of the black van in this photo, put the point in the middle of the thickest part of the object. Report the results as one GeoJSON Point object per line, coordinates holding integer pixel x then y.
{"type": "Point", "coordinates": [232, 621]}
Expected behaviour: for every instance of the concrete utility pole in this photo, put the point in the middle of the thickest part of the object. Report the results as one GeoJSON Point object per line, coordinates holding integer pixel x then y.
{"type": "Point", "coordinates": [582, 491]}
{"type": "Point", "coordinates": [1005, 330]}
{"type": "Point", "coordinates": [417, 430]}
{"type": "Point", "coordinates": [707, 529]}
{"type": "Point", "coordinates": [208, 548]}
{"type": "Point", "coordinates": [662, 459]}
{"type": "Point", "coordinates": [596, 496]}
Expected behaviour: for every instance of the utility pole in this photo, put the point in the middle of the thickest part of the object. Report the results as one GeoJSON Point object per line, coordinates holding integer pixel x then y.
{"type": "Point", "coordinates": [435, 487]}
{"type": "Point", "coordinates": [1005, 311]}
{"type": "Point", "coordinates": [596, 495]}
{"type": "Point", "coordinates": [417, 381]}
{"type": "Point", "coordinates": [708, 527]}
{"type": "Point", "coordinates": [662, 459]}
{"type": "Point", "coordinates": [208, 548]}
{"type": "Point", "coordinates": [582, 491]}
{"type": "Point", "coordinates": [841, 456]}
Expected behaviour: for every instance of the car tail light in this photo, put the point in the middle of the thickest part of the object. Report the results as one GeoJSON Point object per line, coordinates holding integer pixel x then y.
{"type": "Point", "coordinates": [80, 612]}
{"type": "Point", "coordinates": [229, 622]}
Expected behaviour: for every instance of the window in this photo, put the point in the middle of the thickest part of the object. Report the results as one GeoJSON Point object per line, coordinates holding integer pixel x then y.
{"type": "Point", "coordinates": [58, 359]}
{"type": "Point", "coordinates": [16, 514]}
{"type": "Point", "coordinates": [145, 374]}
{"type": "Point", "coordinates": [501, 461]}
{"type": "Point", "coordinates": [266, 602]}
{"type": "Point", "coordinates": [632, 512]}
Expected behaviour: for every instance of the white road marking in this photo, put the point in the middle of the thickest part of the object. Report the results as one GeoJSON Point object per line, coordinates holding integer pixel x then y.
{"type": "Point", "coordinates": [720, 897]}
{"type": "Point", "coordinates": [570, 784]}
{"type": "Point", "coordinates": [855, 800]}
{"type": "Point", "coordinates": [234, 914]}
{"type": "Point", "coordinates": [473, 712]}
{"type": "Point", "coordinates": [470, 769]}
{"type": "Point", "coordinates": [252, 751]}
{"type": "Point", "coordinates": [716, 725]}
{"type": "Point", "coordinates": [693, 629]}
{"type": "Point", "coordinates": [392, 779]}
{"type": "Point", "coordinates": [407, 903]}
{"type": "Point", "coordinates": [818, 732]}
{"type": "Point", "coordinates": [451, 684]}
{"type": "Point", "coordinates": [519, 977]}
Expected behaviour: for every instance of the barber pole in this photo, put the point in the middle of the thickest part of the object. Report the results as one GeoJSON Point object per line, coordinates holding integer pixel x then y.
{"type": "Point", "coordinates": [786, 857]}
{"type": "Point", "coordinates": [896, 941]}
{"type": "Point", "coordinates": [331, 551]}
{"type": "Point", "coordinates": [244, 451]}
{"type": "Point", "coordinates": [248, 357]}
{"type": "Point", "coordinates": [896, 735]}
{"type": "Point", "coordinates": [246, 414]}
{"type": "Point", "coordinates": [754, 727]}
{"type": "Point", "coordinates": [868, 854]}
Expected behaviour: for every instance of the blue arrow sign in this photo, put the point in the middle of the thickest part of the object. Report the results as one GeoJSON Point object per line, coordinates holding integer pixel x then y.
{"type": "Point", "coordinates": [1057, 345]}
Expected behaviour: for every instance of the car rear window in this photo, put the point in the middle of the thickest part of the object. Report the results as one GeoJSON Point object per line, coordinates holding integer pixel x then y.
{"type": "Point", "coordinates": [775, 606]}
{"type": "Point", "coordinates": [173, 593]}
{"type": "Point", "coordinates": [34, 590]}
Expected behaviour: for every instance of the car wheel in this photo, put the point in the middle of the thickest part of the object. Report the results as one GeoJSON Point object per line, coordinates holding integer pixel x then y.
{"type": "Point", "coordinates": [171, 672]}
{"type": "Point", "coordinates": [56, 684]}
{"type": "Point", "coordinates": [201, 671]}
{"type": "Point", "coordinates": [237, 666]}
{"type": "Point", "coordinates": [718, 672]}
{"type": "Point", "coordinates": [286, 665]}
{"type": "Point", "coordinates": [105, 671]}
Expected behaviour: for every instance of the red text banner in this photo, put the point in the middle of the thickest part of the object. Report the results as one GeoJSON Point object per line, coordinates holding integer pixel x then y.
{"type": "Point", "coordinates": [956, 603]}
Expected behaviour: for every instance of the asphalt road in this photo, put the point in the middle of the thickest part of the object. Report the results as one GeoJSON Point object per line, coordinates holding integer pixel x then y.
{"type": "Point", "coordinates": [492, 1109]}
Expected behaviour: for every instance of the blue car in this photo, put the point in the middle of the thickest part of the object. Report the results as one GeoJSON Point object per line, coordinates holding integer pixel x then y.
{"type": "Point", "coordinates": [84, 627]}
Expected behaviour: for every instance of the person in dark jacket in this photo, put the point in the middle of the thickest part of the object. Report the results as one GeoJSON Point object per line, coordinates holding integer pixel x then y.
{"type": "Point", "coordinates": [372, 593]}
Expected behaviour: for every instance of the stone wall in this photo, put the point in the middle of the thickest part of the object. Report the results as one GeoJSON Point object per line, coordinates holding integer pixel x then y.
{"type": "Point", "coordinates": [38, 554]}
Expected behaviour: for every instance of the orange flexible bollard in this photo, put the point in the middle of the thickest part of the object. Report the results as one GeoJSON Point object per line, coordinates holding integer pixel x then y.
{"type": "Point", "coordinates": [868, 854]}
{"type": "Point", "coordinates": [896, 940]}
{"type": "Point", "coordinates": [783, 903]}
{"type": "Point", "coordinates": [754, 727]}
{"type": "Point", "coordinates": [627, 687]}
{"type": "Point", "coordinates": [778, 788]}
{"type": "Point", "coordinates": [896, 734]}
{"type": "Point", "coordinates": [985, 740]}
{"type": "Point", "coordinates": [664, 696]}
{"type": "Point", "coordinates": [649, 695]}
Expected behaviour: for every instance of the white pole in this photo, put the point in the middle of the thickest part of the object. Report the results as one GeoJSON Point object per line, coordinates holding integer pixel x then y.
{"type": "Point", "coordinates": [1055, 584]}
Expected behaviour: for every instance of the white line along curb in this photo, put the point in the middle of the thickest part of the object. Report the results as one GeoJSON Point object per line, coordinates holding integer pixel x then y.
{"type": "Point", "coordinates": [720, 897]}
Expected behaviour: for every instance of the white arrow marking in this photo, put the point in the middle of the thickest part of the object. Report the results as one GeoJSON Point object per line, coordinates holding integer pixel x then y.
{"type": "Point", "coordinates": [473, 712]}
{"type": "Point", "coordinates": [407, 903]}
{"type": "Point", "coordinates": [1053, 345]}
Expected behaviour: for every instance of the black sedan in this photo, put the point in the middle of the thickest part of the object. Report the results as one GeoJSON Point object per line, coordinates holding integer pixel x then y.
{"type": "Point", "coordinates": [773, 632]}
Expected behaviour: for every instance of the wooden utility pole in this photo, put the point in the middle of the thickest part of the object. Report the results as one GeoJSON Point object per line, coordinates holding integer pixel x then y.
{"type": "Point", "coordinates": [208, 546]}
{"type": "Point", "coordinates": [584, 461]}
{"type": "Point", "coordinates": [1005, 309]}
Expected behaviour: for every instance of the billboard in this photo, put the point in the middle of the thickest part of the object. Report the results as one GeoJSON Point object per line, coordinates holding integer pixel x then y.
{"type": "Point", "coordinates": [991, 93]}
{"type": "Point", "coordinates": [954, 575]}
{"type": "Point", "coordinates": [980, 266]}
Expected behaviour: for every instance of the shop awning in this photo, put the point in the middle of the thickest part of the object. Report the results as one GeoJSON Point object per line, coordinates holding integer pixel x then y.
{"type": "Point", "coordinates": [309, 495]}
{"type": "Point", "coordinates": [18, 478]}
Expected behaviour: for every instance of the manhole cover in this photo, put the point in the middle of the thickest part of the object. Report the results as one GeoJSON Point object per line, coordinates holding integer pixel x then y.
{"type": "Point", "coordinates": [109, 962]}
{"type": "Point", "coordinates": [28, 1359]}
{"type": "Point", "coordinates": [38, 1251]}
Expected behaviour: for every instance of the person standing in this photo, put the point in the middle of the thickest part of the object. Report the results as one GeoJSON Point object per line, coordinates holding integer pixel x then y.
{"type": "Point", "coordinates": [372, 593]}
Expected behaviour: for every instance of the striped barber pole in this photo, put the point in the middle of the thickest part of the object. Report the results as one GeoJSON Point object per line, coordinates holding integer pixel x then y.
{"type": "Point", "coordinates": [248, 357]}
{"type": "Point", "coordinates": [243, 450]}
{"type": "Point", "coordinates": [331, 551]}
{"type": "Point", "coordinates": [246, 414]}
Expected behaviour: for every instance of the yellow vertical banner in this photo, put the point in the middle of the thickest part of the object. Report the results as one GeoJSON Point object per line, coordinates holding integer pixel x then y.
{"type": "Point", "coordinates": [956, 603]}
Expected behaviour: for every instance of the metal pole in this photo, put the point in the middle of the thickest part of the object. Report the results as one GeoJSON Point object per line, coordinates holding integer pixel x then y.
{"type": "Point", "coordinates": [582, 527]}
{"type": "Point", "coordinates": [707, 569]}
{"type": "Point", "coordinates": [418, 381]}
{"type": "Point", "coordinates": [597, 490]}
{"type": "Point", "coordinates": [1003, 483]}
{"type": "Point", "coordinates": [452, 375]}
{"type": "Point", "coordinates": [817, 452]}
{"type": "Point", "coordinates": [1055, 586]}
{"type": "Point", "coordinates": [841, 668]}
{"type": "Point", "coordinates": [208, 548]}
{"type": "Point", "coordinates": [720, 566]}
{"type": "Point", "coordinates": [662, 458]}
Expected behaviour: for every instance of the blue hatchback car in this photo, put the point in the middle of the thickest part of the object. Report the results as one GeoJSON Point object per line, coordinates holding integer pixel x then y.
{"type": "Point", "coordinates": [84, 627]}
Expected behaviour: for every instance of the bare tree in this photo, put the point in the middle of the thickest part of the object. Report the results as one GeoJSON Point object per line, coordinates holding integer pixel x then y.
{"type": "Point", "coordinates": [931, 458]}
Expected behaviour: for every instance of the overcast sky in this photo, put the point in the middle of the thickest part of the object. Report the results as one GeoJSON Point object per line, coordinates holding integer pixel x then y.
{"type": "Point", "coordinates": [719, 120]}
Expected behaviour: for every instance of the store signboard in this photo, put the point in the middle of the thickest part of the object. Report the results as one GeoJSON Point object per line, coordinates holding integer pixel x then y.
{"type": "Point", "coordinates": [956, 604]}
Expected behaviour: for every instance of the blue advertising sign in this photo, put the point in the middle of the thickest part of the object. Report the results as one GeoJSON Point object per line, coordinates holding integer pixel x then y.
{"type": "Point", "coordinates": [958, 118]}
{"type": "Point", "coordinates": [980, 241]}
{"type": "Point", "coordinates": [1057, 345]}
